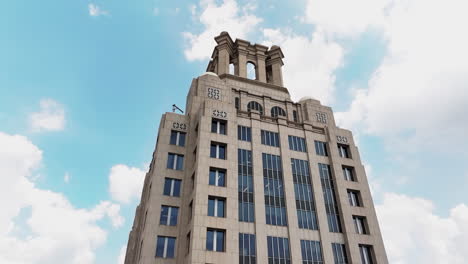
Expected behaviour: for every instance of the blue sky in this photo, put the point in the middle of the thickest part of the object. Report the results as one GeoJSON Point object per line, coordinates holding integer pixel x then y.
{"type": "Point", "coordinates": [83, 85]}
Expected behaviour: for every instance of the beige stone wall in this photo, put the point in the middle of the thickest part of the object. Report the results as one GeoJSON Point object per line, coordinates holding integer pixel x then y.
{"type": "Point", "coordinates": [200, 111]}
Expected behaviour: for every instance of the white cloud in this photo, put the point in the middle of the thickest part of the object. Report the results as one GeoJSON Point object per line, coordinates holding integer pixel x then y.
{"type": "Point", "coordinates": [345, 18]}
{"type": "Point", "coordinates": [95, 10]}
{"type": "Point", "coordinates": [125, 183]}
{"type": "Point", "coordinates": [121, 257]}
{"type": "Point", "coordinates": [228, 16]}
{"type": "Point", "coordinates": [419, 94]}
{"type": "Point", "coordinates": [51, 117]}
{"type": "Point", "coordinates": [414, 233]}
{"type": "Point", "coordinates": [309, 63]}
{"type": "Point", "coordinates": [39, 225]}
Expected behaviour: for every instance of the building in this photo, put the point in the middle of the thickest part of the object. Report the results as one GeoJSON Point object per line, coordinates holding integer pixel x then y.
{"type": "Point", "coordinates": [246, 175]}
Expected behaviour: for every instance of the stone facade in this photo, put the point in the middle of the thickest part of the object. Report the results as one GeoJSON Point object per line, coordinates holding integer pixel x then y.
{"type": "Point", "coordinates": [213, 95]}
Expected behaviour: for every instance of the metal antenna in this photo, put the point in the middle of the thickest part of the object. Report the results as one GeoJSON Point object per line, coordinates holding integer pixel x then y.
{"type": "Point", "coordinates": [174, 108]}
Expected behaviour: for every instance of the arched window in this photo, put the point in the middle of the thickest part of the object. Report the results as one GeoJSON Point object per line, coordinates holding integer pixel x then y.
{"type": "Point", "coordinates": [255, 106]}
{"type": "Point", "coordinates": [251, 71]}
{"type": "Point", "coordinates": [277, 111]}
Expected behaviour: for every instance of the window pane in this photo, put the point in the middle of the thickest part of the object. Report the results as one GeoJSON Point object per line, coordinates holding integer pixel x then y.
{"type": "Point", "coordinates": [167, 186]}
{"type": "Point", "coordinates": [182, 139]}
{"type": "Point", "coordinates": [213, 151]}
{"type": "Point", "coordinates": [222, 152]}
{"type": "Point", "coordinates": [211, 207]}
{"type": "Point", "coordinates": [220, 208]}
{"type": "Point", "coordinates": [160, 246]}
{"type": "Point", "coordinates": [220, 241]}
{"type": "Point", "coordinates": [176, 191]}
{"type": "Point", "coordinates": [173, 140]}
{"type": "Point", "coordinates": [214, 126]}
{"type": "Point", "coordinates": [170, 161]}
{"type": "Point", "coordinates": [221, 176]}
{"type": "Point", "coordinates": [174, 213]}
{"type": "Point", "coordinates": [164, 215]}
{"type": "Point", "coordinates": [209, 240]}
{"type": "Point", "coordinates": [212, 179]}
{"type": "Point", "coordinates": [180, 162]}
{"type": "Point", "coordinates": [170, 247]}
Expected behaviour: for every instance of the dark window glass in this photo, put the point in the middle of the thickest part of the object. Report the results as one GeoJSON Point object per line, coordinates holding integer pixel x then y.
{"type": "Point", "coordinates": [165, 247]}
{"type": "Point", "coordinates": [247, 254]}
{"type": "Point", "coordinates": [278, 250]}
{"type": "Point", "coordinates": [329, 197]}
{"type": "Point", "coordinates": [218, 126]}
{"type": "Point", "coordinates": [218, 150]}
{"type": "Point", "coordinates": [168, 215]}
{"type": "Point", "coordinates": [237, 103]}
{"type": "Point", "coordinates": [217, 177]}
{"type": "Point", "coordinates": [245, 186]}
{"type": "Point", "coordinates": [277, 111]}
{"type": "Point", "coordinates": [172, 187]}
{"type": "Point", "coordinates": [295, 118]}
{"type": "Point", "coordinates": [360, 224]}
{"type": "Point", "coordinates": [177, 138]}
{"type": "Point", "coordinates": [297, 143]}
{"type": "Point", "coordinates": [348, 173]}
{"type": "Point", "coordinates": [255, 106]}
{"type": "Point", "coordinates": [175, 161]}
{"type": "Point", "coordinates": [275, 205]}
{"type": "Point", "coordinates": [270, 138]}
{"type": "Point", "coordinates": [305, 205]}
{"type": "Point", "coordinates": [216, 206]}
{"type": "Point", "coordinates": [339, 253]}
{"type": "Point", "coordinates": [244, 133]}
{"type": "Point", "coordinates": [366, 254]}
{"type": "Point", "coordinates": [354, 198]}
{"type": "Point", "coordinates": [311, 252]}
{"type": "Point", "coordinates": [344, 151]}
{"type": "Point", "coordinates": [321, 148]}
{"type": "Point", "coordinates": [215, 240]}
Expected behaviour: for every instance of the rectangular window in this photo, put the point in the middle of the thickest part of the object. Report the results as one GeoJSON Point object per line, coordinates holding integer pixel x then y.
{"type": "Point", "coordinates": [305, 206]}
{"type": "Point", "coordinates": [270, 138]}
{"type": "Point", "coordinates": [339, 253]}
{"type": "Point", "coordinates": [329, 198]}
{"type": "Point", "coordinates": [278, 250]}
{"type": "Point", "coordinates": [311, 252]}
{"type": "Point", "coordinates": [245, 186]}
{"type": "Point", "coordinates": [354, 198]}
{"type": "Point", "coordinates": [360, 224]}
{"type": "Point", "coordinates": [218, 126]}
{"type": "Point", "coordinates": [177, 138]}
{"type": "Point", "coordinates": [217, 177]}
{"type": "Point", "coordinates": [275, 205]}
{"type": "Point", "coordinates": [321, 148]}
{"type": "Point", "coordinates": [244, 133]}
{"type": "Point", "coordinates": [216, 206]}
{"type": "Point", "coordinates": [165, 247]}
{"type": "Point", "coordinates": [175, 161]}
{"type": "Point", "coordinates": [215, 240]}
{"type": "Point", "coordinates": [297, 143]}
{"type": "Point", "coordinates": [172, 187]}
{"type": "Point", "coordinates": [168, 215]}
{"type": "Point", "coordinates": [237, 103]}
{"type": "Point", "coordinates": [344, 151]}
{"type": "Point", "coordinates": [295, 118]}
{"type": "Point", "coordinates": [247, 254]}
{"type": "Point", "coordinates": [348, 173]}
{"type": "Point", "coordinates": [218, 150]}
{"type": "Point", "coordinates": [366, 254]}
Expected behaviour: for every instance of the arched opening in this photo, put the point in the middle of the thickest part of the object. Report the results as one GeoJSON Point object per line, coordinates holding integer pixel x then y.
{"type": "Point", "coordinates": [277, 111]}
{"type": "Point", "coordinates": [231, 68]}
{"type": "Point", "coordinates": [251, 71]}
{"type": "Point", "coordinates": [255, 106]}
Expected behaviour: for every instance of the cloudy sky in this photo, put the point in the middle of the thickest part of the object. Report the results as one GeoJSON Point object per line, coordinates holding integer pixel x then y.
{"type": "Point", "coordinates": [83, 85]}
